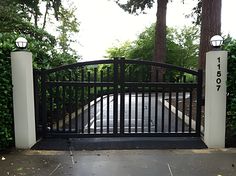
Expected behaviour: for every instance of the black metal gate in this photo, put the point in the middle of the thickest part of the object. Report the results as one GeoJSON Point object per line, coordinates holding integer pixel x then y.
{"type": "Point", "coordinates": [118, 98]}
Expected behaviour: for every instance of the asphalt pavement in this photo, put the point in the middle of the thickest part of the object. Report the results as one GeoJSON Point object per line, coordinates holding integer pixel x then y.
{"type": "Point", "coordinates": [132, 106]}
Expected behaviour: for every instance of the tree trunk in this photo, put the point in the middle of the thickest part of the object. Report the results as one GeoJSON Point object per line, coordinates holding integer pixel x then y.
{"type": "Point", "coordinates": [36, 20]}
{"type": "Point", "coordinates": [45, 15]}
{"type": "Point", "coordinates": [160, 39]}
{"type": "Point", "coordinates": [211, 25]}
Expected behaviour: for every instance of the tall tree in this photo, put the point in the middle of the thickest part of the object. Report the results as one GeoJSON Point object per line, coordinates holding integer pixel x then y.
{"type": "Point", "coordinates": [160, 40]}
{"type": "Point", "coordinates": [182, 46]}
{"type": "Point", "coordinates": [136, 7]}
{"type": "Point", "coordinates": [210, 26]}
{"type": "Point", "coordinates": [33, 8]}
{"type": "Point", "coordinates": [15, 20]}
{"type": "Point", "coordinates": [68, 27]}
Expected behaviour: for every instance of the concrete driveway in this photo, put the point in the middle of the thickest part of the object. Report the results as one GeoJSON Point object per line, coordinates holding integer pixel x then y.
{"type": "Point", "coordinates": [206, 162]}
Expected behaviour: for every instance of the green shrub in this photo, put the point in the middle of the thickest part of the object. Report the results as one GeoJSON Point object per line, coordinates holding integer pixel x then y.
{"type": "Point", "coordinates": [6, 111]}
{"type": "Point", "coordinates": [231, 88]}
{"type": "Point", "coordinates": [44, 56]}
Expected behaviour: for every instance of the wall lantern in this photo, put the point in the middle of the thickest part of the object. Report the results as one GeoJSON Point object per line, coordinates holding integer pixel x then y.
{"type": "Point", "coordinates": [21, 43]}
{"type": "Point", "coordinates": [216, 41]}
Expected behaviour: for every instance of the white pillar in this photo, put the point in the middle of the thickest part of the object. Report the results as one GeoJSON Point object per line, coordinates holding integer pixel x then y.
{"type": "Point", "coordinates": [215, 99]}
{"type": "Point", "coordinates": [23, 99]}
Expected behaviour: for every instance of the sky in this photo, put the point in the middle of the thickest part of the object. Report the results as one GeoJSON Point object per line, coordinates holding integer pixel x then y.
{"type": "Point", "coordinates": [103, 24]}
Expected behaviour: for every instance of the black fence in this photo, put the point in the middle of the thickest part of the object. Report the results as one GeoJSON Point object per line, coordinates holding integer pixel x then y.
{"type": "Point", "coordinates": [118, 98]}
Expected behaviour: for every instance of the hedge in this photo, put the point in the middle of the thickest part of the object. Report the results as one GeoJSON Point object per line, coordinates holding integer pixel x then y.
{"type": "Point", "coordinates": [6, 110]}
{"type": "Point", "coordinates": [41, 59]}
{"type": "Point", "coordinates": [231, 89]}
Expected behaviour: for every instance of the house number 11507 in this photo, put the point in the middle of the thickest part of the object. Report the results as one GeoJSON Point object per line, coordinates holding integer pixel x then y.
{"type": "Point", "coordinates": [218, 75]}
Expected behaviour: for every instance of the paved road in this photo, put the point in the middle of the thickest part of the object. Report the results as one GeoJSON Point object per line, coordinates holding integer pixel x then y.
{"type": "Point", "coordinates": [101, 115]}
{"type": "Point", "coordinates": [120, 163]}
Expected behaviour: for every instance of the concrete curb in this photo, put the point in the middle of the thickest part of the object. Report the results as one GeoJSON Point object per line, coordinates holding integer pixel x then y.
{"type": "Point", "coordinates": [180, 115]}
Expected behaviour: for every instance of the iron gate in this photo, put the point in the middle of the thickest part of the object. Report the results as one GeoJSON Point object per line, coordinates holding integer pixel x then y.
{"type": "Point", "coordinates": [118, 98]}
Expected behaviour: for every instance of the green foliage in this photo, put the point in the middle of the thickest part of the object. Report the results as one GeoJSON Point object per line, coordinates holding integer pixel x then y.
{"type": "Point", "coordinates": [143, 47]}
{"type": "Point", "coordinates": [182, 50]}
{"type": "Point", "coordinates": [16, 17]}
{"type": "Point", "coordinates": [68, 27]}
{"type": "Point", "coordinates": [230, 46]}
{"type": "Point", "coordinates": [29, 10]}
{"type": "Point", "coordinates": [182, 47]}
{"type": "Point", "coordinates": [33, 9]}
{"type": "Point", "coordinates": [44, 56]}
{"type": "Point", "coordinates": [6, 123]}
{"type": "Point", "coordinates": [134, 6]}
{"type": "Point", "coordinates": [139, 7]}
{"type": "Point", "coordinates": [196, 13]}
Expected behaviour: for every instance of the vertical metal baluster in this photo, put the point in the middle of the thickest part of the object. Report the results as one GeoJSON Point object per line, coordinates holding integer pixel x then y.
{"type": "Point", "coordinates": [163, 111]}
{"type": "Point", "coordinates": [64, 105]}
{"type": "Point", "coordinates": [170, 98]}
{"type": "Point", "coordinates": [149, 110]}
{"type": "Point", "coordinates": [115, 99]}
{"type": "Point", "coordinates": [156, 103]}
{"type": "Point", "coordinates": [70, 104]}
{"type": "Point", "coordinates": [143, 99]}
{"type": "Point", "coordinates": [190, 110]}
{"type": "Point", "coordinates": [36, 76]}
{"type": "Point", "coordinates": [176, 111]}
{"type": "Point", "coordinates": [141, 92]}
{"type": "Point", "coordinates": [184, 79]}
{"type": "Point", "coordinates": [101, 108]}
{"type": "Point", "coordinates": [51, 107]}
{"type": "Point", "coordinates": [82, 101]}
{"type": "Point", "coordinates": [136, 110]}
{"type": "Point", "coordinates": [108, 101]}
{"type": "Point", "coordinates": [57, 104]}
{"type": "Point", "coordinates": [178, 79]}
{"type": "Point", "coordinates": [150, 73]}
{"type": "Point", "coordinates": [130, 101]}
{"type": "Point", "coordinates": [76, 102]}
{"type": "Point", "coordinates": [95, 100]}
{"type": "Point", "coordinates": [44, 102]}
{"type": "Point", "coordinates": [183, 112]}
{"type": "Point", "coordinates": [156, 110]}
{"type": "Point", "coordinates": [163, 76]}
{"type": "Point", "coordinates": [183, 109]}
{"type": "Point", "coordinates": [122, 95]}
{"type": "Point", "coordinates": [89, 113]}
{"type": "Point", "coordinates": [199, 103]}
{"type": "Point", "coordinates": [157, 76]}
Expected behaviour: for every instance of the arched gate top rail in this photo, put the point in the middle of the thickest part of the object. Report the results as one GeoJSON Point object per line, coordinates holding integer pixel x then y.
{"type": "Point", "coordinates": [118, 61]}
